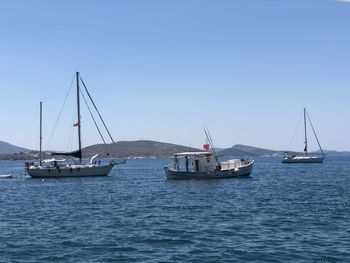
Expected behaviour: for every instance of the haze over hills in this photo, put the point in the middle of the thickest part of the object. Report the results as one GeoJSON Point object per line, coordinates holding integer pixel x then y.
{"type": "Point", "coordinates": [7, 148]}
{"type": "Point", "coordinates": [147, 148]}
{"type": "Point", "coordinates": [244, 150]}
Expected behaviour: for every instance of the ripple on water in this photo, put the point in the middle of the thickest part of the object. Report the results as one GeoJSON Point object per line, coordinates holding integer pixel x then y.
{"type": "Point", "coordinates": [282, 213]}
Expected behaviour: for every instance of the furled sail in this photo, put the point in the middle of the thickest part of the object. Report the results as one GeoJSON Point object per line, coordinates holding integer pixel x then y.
{"type": "Point", "coordinates": [76, 154]}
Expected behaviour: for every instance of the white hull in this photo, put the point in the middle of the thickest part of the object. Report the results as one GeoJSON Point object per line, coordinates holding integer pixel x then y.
{"type": "Point", "coordinates": [5, 176]}
{"type": "Point", "coordinates": [244, 170]}
{"type": "Point", "coordinates": [69, 171]}
{"type": "Point", "coordinates": [303, 159]}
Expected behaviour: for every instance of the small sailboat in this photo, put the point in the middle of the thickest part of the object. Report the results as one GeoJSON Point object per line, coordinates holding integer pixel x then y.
{"type": "Point", "coordinates": [54, 167]}
{"type": "Point", "coordinates": [205, 165]}
{"type": "Point", "coordinates": [307, 158]}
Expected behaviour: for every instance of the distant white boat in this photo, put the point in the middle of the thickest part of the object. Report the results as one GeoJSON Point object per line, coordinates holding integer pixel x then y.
{"type": "Point", "coordinates": [5, 176]}
{"type": "Point", "coordinates": [204, 165]}
{"type": "Point", "coordinates": [307, 158]}
{"type": "Point", "coordinates": [58, 167]}
{"type": "Point", "coordinates": [303, 159]}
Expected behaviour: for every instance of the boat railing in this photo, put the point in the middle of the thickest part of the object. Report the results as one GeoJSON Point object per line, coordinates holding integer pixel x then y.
{"type": "Point", "coordinates": [176, 167]}
{"type": "Point", "coordinates": [168, 165]}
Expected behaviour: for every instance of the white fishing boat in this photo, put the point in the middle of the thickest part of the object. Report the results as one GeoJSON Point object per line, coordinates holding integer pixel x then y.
{"type": "Point", "coordinates": [291, 157]}
{"type": "Point", "coordinates": [75, 168]}
{"type": "Point", "coordinates": [204, 165]}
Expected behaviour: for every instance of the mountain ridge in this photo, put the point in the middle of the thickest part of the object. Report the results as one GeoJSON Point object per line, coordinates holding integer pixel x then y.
{"type": "Point", "coordinates": [149, 148]}
{"type": "Point", "coordinates": [245, 150]}
{"type": "Point", "coordinates": [139, 148]}
{"type": "Point", "coordinates": [7, 148]}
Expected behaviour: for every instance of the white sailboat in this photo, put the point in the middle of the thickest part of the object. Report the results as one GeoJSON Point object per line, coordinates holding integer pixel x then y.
{"type": "Point", "coordinates": [307, 158]}
{"type": "Point", "coordinates": [58, 167]}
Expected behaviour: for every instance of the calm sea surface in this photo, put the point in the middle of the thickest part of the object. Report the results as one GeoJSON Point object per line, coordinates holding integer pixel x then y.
{"type": "Point", "coordinates": [282, 213]}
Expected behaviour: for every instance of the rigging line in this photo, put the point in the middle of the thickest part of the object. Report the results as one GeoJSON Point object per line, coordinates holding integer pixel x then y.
{"type": "Point", "coordinates": [319, 145]}
{"type": "Point", "coordinates": [30, 130]}
{"type": "Point", "coordinates": [71, 135]}
{"type": "Point", "coordinates": [295, 131]}
{"type": "Point", "coordinates": [211, 141]}
{"type": "Point", "coordinates": [53, 92]}
{"type": "Point", "coordinates": [207, 134]}
{"type": "Point", "coordinates": [93, 103]}
{"type": "Point", "coordinates": [60, 113]}
{"type": "Point", "coordinates": [92, 116]}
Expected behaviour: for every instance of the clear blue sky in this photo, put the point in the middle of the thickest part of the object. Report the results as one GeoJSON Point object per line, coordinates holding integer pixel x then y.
{"type": "Point", "coordinates": [161, 69]}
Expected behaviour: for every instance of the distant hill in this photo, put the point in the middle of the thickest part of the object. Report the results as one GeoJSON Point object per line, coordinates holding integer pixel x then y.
{"type": "Point", "coordinates": [243, 150]}
{"type": "Point", "coordinates": [146, 148]}
{"type": "Point", "coordinates": [6, 148]}
{"type": "Point", "coordinates": [142, 148]}
{"type": "Point", "coordinates": [240, 150]}
{"type": "Point", "coordinates": [334, 153]}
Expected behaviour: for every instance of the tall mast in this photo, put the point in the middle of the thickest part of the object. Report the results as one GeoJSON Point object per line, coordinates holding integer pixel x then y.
{"type": "Point", "coordinates": [305, 149]}
{"type": "Point", "coordinates": [41, 137]}
{"type": "Point", "coordinates": [78, 105]}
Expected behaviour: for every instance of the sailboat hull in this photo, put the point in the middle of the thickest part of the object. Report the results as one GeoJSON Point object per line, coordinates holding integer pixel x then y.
{"type": "Point", "coordinates": [69, 171]}
{"type": "Point", "coordinates": [303, 159]}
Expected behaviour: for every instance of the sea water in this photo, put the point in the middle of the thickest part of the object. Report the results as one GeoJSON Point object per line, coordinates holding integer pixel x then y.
{"type": "Point", "coordinates": [282, 213]}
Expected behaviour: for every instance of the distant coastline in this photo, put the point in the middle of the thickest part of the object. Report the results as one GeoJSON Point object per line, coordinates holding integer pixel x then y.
{"type": "Point", "coordinates": [151, 149]}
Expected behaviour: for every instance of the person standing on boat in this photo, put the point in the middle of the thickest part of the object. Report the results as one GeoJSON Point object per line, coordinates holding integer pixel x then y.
{"type": "Point", "coordinates": [186, 162]}
{"type": "Point", "coordinates": [176, 162]}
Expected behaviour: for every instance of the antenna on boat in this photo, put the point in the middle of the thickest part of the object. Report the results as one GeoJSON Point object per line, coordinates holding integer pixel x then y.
{"type": "Point", "coordinates": [210, 140]}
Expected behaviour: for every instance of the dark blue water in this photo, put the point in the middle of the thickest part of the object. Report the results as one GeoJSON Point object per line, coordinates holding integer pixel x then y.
{"type": "Point", "coordinates": [283, 213]}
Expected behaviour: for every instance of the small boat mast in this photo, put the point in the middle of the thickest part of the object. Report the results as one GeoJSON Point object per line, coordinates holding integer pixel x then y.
{"type": "Point", "coordinates": [41, 132]}
{"type": "Point", "coordinates": [78, 110]}
{"type": "Point", "coordinates": [305, 132]}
